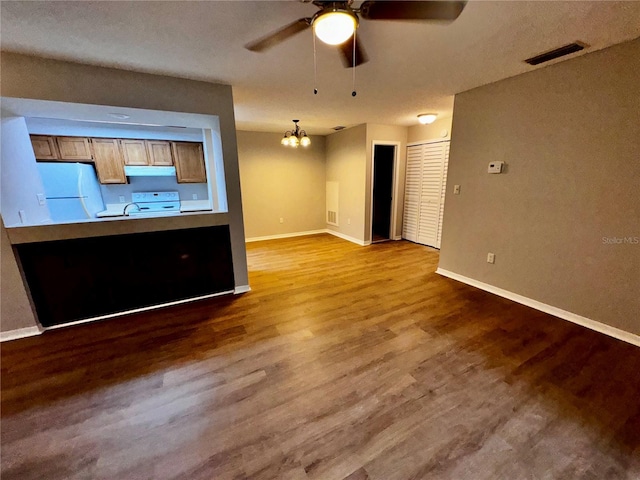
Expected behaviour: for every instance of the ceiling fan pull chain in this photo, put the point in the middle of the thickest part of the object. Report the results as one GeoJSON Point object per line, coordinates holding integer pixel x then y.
{"type": "Point", "coordinates": [315, 67]}
{"type": "Point", "coordinates": [353, 93]}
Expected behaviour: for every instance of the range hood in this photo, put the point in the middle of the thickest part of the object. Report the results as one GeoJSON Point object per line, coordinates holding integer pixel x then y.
{"type": "Point", "coordinates": [145, 171]}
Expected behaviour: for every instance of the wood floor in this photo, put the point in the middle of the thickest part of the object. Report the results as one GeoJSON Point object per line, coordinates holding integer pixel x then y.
{"type": "Point", "coordinates": [342, 363]}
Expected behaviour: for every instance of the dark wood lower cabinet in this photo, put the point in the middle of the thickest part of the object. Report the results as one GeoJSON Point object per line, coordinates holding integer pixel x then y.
{"type": "Point", "coordinates": [72, 280]}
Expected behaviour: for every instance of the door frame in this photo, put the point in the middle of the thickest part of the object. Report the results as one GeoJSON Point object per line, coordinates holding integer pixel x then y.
{"type": "Point", "coordinates": [394, 188]}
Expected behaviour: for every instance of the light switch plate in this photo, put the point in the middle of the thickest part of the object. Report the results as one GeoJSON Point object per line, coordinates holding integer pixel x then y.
{"type": "Point", "coordinates": [456, 189]}
{"type": "Point", "coordinates": [491, 258]}
{"type": "Point", "coordinates": [41, 199]}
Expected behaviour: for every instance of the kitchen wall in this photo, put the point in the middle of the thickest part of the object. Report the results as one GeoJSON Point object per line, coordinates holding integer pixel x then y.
{"type": "Point", "coordinates": [45, 79]}
{"type": "Point", "coordinates": [564, 218]}
{"type": "Point", "coordinates": [346, 154]}
{"type": "Point", "coordinates": [433, 131]}
{"type": "Point", "coordinates": [281, 182]}
{"type": "Point", "coordinates": [19, 180]}
{"type": "Point", "coordinates": [386, 133]}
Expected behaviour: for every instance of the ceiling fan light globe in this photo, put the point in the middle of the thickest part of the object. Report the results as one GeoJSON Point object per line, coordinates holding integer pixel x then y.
{"type": "Point", "coordinates": [335, 27]}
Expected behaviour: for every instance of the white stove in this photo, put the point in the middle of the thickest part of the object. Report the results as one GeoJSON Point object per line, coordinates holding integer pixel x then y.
{"type": "Point", "coordinates": [153, 203]}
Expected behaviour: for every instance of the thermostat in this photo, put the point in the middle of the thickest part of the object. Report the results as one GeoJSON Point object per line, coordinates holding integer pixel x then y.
{"type": "Point", "coordinates": [495, 167]}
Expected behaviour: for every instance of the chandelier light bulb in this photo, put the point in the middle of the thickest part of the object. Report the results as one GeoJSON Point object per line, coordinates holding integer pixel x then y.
{"type": "Point", "coordinates": [335, 28]}
{"type": "Point", "coordinates": [305, 141]}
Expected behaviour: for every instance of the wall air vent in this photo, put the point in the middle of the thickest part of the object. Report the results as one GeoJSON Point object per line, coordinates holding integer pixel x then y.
{"type": "Point", "coordinates": [556, 53]}
{"type": "Point", "coordinates": [339, 127]}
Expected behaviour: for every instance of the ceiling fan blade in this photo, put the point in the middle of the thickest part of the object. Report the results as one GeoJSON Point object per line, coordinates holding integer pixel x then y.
{"type": "Point", "coordinates": [278, 36]}
{"type": "Point", "coordinates": [346, 51]}
{"type": "Point", "coordinates": [411, 10]}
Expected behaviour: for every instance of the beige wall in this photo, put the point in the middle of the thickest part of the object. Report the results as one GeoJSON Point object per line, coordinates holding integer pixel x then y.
{"type": "Point", "coordinates": [43, 79]}
{"type": "Point", "coordinates": [346, 153]}
{"type": "Point", "coordinates": [570, 135]}
{"type": "Point", "coordinates": [15, 307]}
{"type": "Point", "coordinates": [281, 182]}
{"type": "Point", "coordinates": [382, 134]}
{"type": "Point", "coordinates": [436, 130]}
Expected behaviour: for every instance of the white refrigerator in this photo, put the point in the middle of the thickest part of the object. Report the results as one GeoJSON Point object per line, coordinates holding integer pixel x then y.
{"type": "Point", "coordinates": [72, 191]}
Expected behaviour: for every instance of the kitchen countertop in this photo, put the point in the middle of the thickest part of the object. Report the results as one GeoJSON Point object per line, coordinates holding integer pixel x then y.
{"type": "Point", "coordinates": [116, 225]}
{"type": "Point", "coordinates": [117, 209]}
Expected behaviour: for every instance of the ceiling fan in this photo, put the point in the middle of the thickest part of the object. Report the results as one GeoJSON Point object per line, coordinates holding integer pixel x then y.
{"type": "Point", "coordinates": [336, 22]}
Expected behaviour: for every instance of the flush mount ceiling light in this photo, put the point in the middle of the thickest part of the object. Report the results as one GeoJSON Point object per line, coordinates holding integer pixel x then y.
{"type": "Point", "coordinates": [334, 26]}
{"type": "Point", "coordinates": [293, 138]}
{"type": "Point", "coordinates": [427, 118]}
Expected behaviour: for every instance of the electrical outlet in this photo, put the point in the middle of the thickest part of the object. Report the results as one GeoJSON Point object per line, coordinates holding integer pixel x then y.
{"type": "Point", "coordinates": [23, 216]}
{"type": "Point", "coordinates": [281, 220]}
{"type": "Point", "coordinates": [194, 196]}
{"type": "Point", "coordinates": [456, 189]}
{"type": "Point", "coordinates": [491, 258]}
{"type": "Point", "coordinates": [121, 199]}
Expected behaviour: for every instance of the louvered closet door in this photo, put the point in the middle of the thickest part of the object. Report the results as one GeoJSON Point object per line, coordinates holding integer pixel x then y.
{"type": "Point", "coordinates": [424, 193]}
{"type": "Point", "coordinates": [412, 193]}
{"type": "Point", "coordinates": [430, 192]}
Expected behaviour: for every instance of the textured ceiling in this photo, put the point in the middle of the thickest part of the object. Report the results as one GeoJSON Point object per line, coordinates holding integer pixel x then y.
{"type": "Point", "coordinates": [412, 68]}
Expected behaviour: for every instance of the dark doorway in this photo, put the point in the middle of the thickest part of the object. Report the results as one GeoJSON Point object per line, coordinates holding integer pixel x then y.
{"type": "Point", "coordinates": [383, 163]}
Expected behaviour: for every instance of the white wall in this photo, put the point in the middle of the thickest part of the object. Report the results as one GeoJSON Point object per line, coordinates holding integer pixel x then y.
{"type": "Point", "coordinates": [20, 179]}
{"type": "Point", "coordinates": [347, 165]}
{"type": "Point", "coordinates": [570, 136]}
{"type": "Point", "coordinates": [281, 182]}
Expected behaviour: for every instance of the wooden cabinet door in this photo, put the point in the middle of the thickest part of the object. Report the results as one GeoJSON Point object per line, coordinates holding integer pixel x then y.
{"type": "Point", "coordinates": [159, 152]}
{"type": "Point", "coordinates": [74, 148]}
{"type": "Point", "coordinates": [44, 147]}
{"type": "Point", "coordinates": [134, 152]}
{"type": "Point", "coordinates": [189, 161]}
{"type": "Point", "coordinates": [109, 164]}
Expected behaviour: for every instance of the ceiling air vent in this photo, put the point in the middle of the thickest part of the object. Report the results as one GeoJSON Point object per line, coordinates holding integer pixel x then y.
{"type": "Point", "coordinates": [339, 127]}
{"type": "Point", "coordinates": [557, 53]}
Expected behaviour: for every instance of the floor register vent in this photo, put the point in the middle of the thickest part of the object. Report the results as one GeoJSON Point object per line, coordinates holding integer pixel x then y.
{"type": "Point", "coordinates": [556, 53]}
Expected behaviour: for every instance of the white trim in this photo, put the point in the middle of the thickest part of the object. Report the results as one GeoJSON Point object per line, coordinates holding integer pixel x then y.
{"type": "Point", "coordinates": [284, 235]}
{"type": "Point", "coordinates": [394, 186]}
{"type": "Point", "coordinates": [348, 238]}
{"type": "Point", "coordinates": [138, 310]}
{"type": "Point", "coordinates": [543, 307]}
{"type": "Point", "coordinates": [398, 237]}
{"type": "Point", "coordinates": [242, 289]}
{"type": "Point", "coordinates": [433, 140]}
{"type": "Point", "coordinates": [19, 333]}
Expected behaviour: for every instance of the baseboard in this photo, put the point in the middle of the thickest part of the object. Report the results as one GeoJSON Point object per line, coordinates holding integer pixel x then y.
{"type": "Point", "coordinates": [284, 235]}
{"type": "Point", "coordinates": [347, 238]}
{"type": "Point", "coordinates": [397, 238]}
{"type": "Point", "coordinates": [19, 333]}
{"type": "Point", "coordinates": [543, 307]}
{"type": "Point", "coordinates": [138, 310]}
{"type": "Point", "coordinates": [241, 289]}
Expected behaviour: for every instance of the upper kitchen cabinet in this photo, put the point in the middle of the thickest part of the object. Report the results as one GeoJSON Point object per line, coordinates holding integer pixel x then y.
{"type": "Point", "coordinates": [189, 161]}
{"type": "Point", "coordinates": [134, 152]}
{"type": "Point", "coordinates": [108, 160]}
{"type": "Point", "coordinates": [44, 147]}
{"type": "Point", "coordinates": [74, 148]}
{"type": "Point", "coordinates": [159, 152]}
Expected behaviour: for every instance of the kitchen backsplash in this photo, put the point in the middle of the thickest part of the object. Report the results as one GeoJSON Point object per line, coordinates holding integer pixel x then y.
{"type": "Point", "coordinates": [112, 193]}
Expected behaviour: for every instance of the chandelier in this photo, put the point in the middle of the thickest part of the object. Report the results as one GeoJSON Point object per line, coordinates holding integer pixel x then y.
{"type": "Point", "coordinates": [293, 138]}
